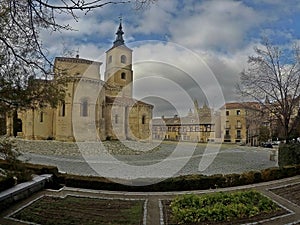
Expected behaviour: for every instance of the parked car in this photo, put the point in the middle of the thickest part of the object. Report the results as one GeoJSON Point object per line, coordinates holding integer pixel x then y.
{"type": "Point", "coordinates": [275, 142]}
{"type": "Point", "coordinates": [267, 145]}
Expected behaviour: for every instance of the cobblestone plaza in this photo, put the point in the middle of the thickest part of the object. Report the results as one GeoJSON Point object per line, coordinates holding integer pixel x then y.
{"type": "Point", "coordinates": [68, 158]}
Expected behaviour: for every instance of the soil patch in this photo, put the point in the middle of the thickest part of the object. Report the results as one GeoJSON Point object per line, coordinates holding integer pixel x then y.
{"type": "Point", "coordinates": [290, 192]}
{"type": "Point", "coordinates": [82, 210]}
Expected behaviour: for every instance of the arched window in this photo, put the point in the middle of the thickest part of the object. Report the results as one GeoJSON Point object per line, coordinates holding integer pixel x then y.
{"type": "Point", "coordinates": [143, 119]}
{"type": "Point", "coordinates": [84, 108]}
{"type": "Point", "coordinates": [123, 58]}
{"type": "Point", "coordinates": [123, 76]}
{"type": "Point", "coordinates": [110, 59]}
{"type": "Point", "coordinates": [116, 118]}
{"type": "Point", "coordinates": [62, 110]}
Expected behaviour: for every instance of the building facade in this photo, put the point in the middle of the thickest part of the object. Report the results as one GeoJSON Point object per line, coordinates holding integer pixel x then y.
{"type": "Point", "coordinates": [197, 126]}
{"type": "Point", "coordinates": [92, 109]}
{"type": "Point", "coordinates": [233, 123]}
{"type": "Point", "coordinates": [242, 122]}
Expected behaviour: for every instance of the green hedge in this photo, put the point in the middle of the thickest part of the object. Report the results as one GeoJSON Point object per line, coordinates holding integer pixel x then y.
{"type": "Point", "coordinates": [34, 168]}
{"type": "Point", "coordinates": [6, 183]}
{"type": "Point", "coordinates": [183, 183]}
{"type": "Point", "coordinates": [289, 154]}
{"type": "Point", "coordinates": [23, 172]}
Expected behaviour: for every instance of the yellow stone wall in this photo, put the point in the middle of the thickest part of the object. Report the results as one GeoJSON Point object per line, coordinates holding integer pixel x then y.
{"type": "Point", "coordinates": [235, 125]}
{"type": "Point", "coordinates": [37, 123]}
{"type": "Point", "coordinates": [140, 122]}
{"type": "Point", "coordinates": [243, 119]}
{"type": "Point", "coordinates": [84, 87]}
{"type": "Point", "coordinates": [115, 67]}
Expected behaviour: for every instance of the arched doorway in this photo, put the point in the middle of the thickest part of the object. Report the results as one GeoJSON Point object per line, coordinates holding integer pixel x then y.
{"type": "Point", "coordinates": [17, 124]}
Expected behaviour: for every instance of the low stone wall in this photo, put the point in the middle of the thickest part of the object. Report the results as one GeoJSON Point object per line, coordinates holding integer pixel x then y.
{"type": "Point", "coordinates": [24, 190]}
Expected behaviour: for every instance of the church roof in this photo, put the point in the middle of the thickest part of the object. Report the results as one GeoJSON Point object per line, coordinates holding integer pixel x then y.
{"type": "Point", "coordinates": [76, 60]}
{"type": "Point", "coordinates": [242, 105]}
{"type": "Point", "coordinates": [125, 101]}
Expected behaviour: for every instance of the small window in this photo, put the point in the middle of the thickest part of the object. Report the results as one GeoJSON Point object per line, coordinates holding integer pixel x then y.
{"type": "Point", "coordinates": [238, 134]}
{"type": "Point", "coordinates": [227, 113]}
{"type": "Point", "coordinates": [84, 108]}
{"type": "Point", "coordinates": [62, 111]}
{"type": "Point", "coordinates": [238, 112]}
{"type": "Point", "coordinates": [110, 59]}
{"type": "Point", "coordinates": [123, 76]}
{"type": "Point", "coordinates": [116, 119]}
{"type": "Point", "coordinates": [41, 117]}
{"type": "Point", "coordinates": [143, 119]}
{"type": "Point", "coordinates": [123, 59]}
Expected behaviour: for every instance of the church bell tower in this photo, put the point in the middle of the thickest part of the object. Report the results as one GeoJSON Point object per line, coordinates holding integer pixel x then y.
{"type": "Point", "coordinates": [118, 70]}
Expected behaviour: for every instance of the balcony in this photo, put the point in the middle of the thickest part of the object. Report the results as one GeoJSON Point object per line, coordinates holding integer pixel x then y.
{"type": "Point", "coordinates": [227, 126]}
{"type": "Point", "coordinates": [239, 126]}
{"type": "Point", "coordinates": [238, 137]}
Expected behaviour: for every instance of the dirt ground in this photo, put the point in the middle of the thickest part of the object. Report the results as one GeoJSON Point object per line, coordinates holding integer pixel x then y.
{"type": "Point", "coordinates": [291, 193]}
{"type": "Point", "coordinates": [80, 210]}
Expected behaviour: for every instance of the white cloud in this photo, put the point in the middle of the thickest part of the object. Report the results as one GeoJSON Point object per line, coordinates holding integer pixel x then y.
{"type": "Point", "coordinates": [157, 19]}
{"type": "Point", "coordinates": [175, 64]}
{"type": "Point", "coordinates": [219, 25]}
{"type": "Point", "coordinates": [221, 32]}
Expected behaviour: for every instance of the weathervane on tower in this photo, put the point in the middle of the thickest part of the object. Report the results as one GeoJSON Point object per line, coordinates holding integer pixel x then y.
{"type": "Point", "coordinates": [119, 39]}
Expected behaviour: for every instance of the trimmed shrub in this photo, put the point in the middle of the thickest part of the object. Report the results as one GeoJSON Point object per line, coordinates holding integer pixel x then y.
{"type": "Point", "coordinates": [41, 169]}
{"type": "Point", "coordinates": [250, 177]}
{"type": "Point", "coordinates": [272, 173]}
{"type": "Point", "coordinates": [289, 154]}
{"type": "Point", "coordinates": [232, 180]}
{"type": "Point", "coordinates": [6, 183]}
{"type": "Point", "coordinates": [182, 183]}
{"type": "Point", "coordinates": [289, 171]}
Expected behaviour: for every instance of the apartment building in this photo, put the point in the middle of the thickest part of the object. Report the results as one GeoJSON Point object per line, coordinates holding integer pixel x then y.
{"type": "Point", "coordinates": [242, 122]}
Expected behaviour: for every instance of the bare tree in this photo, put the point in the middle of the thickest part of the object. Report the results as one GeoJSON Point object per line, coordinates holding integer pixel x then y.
{"type": "Point", "coordinates": [23, 19]}
{"type": "Point", "coordinates": [23, 58]}
{"type": "Point", "coordinates": [274, 74]}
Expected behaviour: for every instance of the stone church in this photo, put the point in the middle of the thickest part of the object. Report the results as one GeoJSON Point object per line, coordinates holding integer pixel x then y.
{"type": "Point", "coordinates": [92, 109]}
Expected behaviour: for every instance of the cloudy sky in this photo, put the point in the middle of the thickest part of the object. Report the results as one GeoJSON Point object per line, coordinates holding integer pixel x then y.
{"type": "Point", "coordinates": [183, 50]}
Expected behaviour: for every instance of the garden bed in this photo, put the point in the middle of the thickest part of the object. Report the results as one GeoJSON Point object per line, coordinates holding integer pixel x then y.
{"type": "Point", "coordinates": [82, 210]}
{"type": "Point", "coordinates": [220, 208]}
{"type": "Point", "coordinates": [290, 192]}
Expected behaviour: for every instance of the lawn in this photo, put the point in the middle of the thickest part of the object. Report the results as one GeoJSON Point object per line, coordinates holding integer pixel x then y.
{"type": "Point", "coordinates": [82, 210]}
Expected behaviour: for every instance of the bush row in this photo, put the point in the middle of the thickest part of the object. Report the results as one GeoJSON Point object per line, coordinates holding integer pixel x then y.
{"type": "Point", "coordinates": [34, 168]}
{"type": "Point", "coordinates": [6, 183]}
{"type": "Point", "coordinates": [22, 172]}
{"type": "Point", "coordinates": [183, 183]}
{"type": "Point", "coordinates": [289, 154]}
